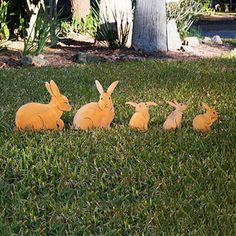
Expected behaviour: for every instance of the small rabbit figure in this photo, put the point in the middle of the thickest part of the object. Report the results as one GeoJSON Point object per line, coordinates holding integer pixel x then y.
{"type": "Point", "coordinates": [202, 123]}
{"type": "Point", "coordinates": [141, 117]}
{"type": "Point", "coordinates": [37, 116]}
{"type": "Point", "coordinates": [96, 114]}
{"type": "Point", "coordinates": [174, 120]}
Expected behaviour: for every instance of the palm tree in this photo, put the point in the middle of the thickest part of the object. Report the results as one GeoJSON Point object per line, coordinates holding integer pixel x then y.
{"type": "Point", "coordinates": [80, 8]}
{"type": "Point", "coordinates": [149, 30]}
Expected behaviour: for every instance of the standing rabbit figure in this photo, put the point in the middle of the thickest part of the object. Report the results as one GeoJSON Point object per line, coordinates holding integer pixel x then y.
{"type": "Point", "coordinates": [141, 117]}
{"type": "Point", "coordinates": [174, 120]}
{"type": "Point", "coordinates": [202, 123]}
{"type": "Point", "coordinates": [37, 116]}
{"type": "Point", "coordinates": [96, 114]}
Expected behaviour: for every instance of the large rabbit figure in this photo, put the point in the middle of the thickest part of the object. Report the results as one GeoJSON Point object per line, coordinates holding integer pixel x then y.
{"type": "Point", "coordinates": [37, 116]}
{"type": "Point", "coordinates": [174, 120]}
{"type": "Point", "coordinates": [141, 117]}
{"type": "Point", "coordinates": [202, 123]}
{"type": "Point", "coordinates": [96, 114]}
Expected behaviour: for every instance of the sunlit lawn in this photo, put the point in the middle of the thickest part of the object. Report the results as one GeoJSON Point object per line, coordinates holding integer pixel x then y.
{"type": "Point", "coordinates": [119, 181]}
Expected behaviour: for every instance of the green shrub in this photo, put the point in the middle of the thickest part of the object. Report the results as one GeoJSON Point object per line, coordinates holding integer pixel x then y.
{"type": "Point", "coordinates": [185, 12]}
{"type": "Point", "coordinates": [34, 44]}
{"type": "Point", "coordinates": [116, 33]}
{"type": "Point", "coordinates": [90, 23]}
{"type": "Point", "coordinates": [64, 27]}
{"type": "Point", "coordinates": [4, 30]}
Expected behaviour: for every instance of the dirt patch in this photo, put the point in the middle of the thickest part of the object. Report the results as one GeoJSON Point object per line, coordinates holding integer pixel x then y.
{"type": "Point", "coordinates": [65, 53]}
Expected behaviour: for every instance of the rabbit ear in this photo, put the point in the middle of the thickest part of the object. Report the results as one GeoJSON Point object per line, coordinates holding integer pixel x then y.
{"type": "Point", "coordinates": [171, 104]}
{"type": "Point", "coordinates": [151, 104]}
{"type": "Point", "coordinates": [134, 104]}
{"type": "Point", "coordinates": [54, 88]}
{"type": "Point", "coordinates": [175, 102]}
{"type": "Point", "coordinates": [112, 87]}
{"type": "Point", "coordinates": [99, 87]}
{"type": "Point", "coordinates": [48, 87]}
{"type": "Point", "coordinates": [204, 105]}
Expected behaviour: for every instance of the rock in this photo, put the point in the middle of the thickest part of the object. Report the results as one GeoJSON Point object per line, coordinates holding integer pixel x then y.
{"type": "Point", "coordinates": [26, 61]}
{"type": "Point", "coordinates": [207, 40]}
{"type": "Point", "coordinates": [192, 41]}
{"type": "Point", "coordinates": [133, 58]}
{"type": "Point", "coordinates": [191, 50]}
{"type": "Point", "coordinates": [173, 38]}
{"type": "Point", "coordinates": [37, 61]}
{"type": "Point", "coordinates": [83, 57]}
{"type": "Point", "coordinates": [217, 39]}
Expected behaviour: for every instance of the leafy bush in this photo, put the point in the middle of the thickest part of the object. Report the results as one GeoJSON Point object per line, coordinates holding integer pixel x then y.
{"type": "Point", "coordinates": [75, 24]}
{"type": "Point", "coordinates": [185, 12]}
{"type": "Point", "coordinates": [90, 23]}
{"type": "Point", "coordinates": [116, 33]}
{"type": "Point", "coordinates": [35, 44]}
{"type": "Point", "coordinates": [4, 30]}
{"type": "Point", "coordinates": [64, 27]}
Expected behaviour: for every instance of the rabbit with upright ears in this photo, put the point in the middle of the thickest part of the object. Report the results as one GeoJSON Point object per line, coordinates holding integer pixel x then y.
{"type": "Point", "coordinates": [202, 123]}
{"type": "Point", "coordinates": [37, 116]}
{"type": "Point", "coordinates": [96, 114]}
{"type": "Point", "coordinates": [141, 117]}
{"type": "Point", "coordinates": [174, 120]}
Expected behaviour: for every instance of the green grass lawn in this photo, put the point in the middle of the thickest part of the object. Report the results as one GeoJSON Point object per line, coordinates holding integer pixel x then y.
{"type": "Point", "coordinates": [119, 181]}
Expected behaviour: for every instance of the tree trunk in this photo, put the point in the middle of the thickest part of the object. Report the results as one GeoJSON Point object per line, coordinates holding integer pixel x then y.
{"type": "Point", "coordinates": [149, 31]}
{"type": "Point", "coordinates": [80, 8]}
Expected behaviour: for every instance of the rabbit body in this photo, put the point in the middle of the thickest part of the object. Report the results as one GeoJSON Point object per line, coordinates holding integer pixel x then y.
{"type": "Point", "coordinates": [96, 114]}
{"type": "Point", "coordinates": [140, 118]}
{"type": "Point", "coordinates": [139, 121]}
{"type": "Point", "coordinates": [92, 116]}
{"type": "Point", "coordinates": [174, 120]}
{"type": "Point", "coordinates": [37, 116]}
{"type": "Point", "coordinates": [202, 123]}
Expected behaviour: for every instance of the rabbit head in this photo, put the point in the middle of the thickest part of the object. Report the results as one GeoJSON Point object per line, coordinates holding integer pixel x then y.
{"type": "Point", "coordinates": [210, 111]}
{"type": "Point", "coordinates": [178, 106]}
{"type": "Point", "coordinates": [58, 99]}
{"type": "Point", "coordinates": [105, 101]}
{"type": "Point", "coordinates": [142, 106]}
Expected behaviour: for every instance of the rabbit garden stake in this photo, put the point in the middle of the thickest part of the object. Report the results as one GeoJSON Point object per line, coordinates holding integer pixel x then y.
{"type": "Point", "coordinates": [174, 120]}
{"type": "Point", "coordinates": [37, 116]}
{"type": "Point", "coordinates": [202, 123]}
{"type": "Point", "coordinates": [141, 117]}
{"type": "Point", "coordinates": [96, 114]}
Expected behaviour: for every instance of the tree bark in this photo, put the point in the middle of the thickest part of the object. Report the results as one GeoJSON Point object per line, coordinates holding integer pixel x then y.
{"type": "Point", "coordinates": [149, 31]}
{"type": "Point", "coordinates": [80, 8]}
